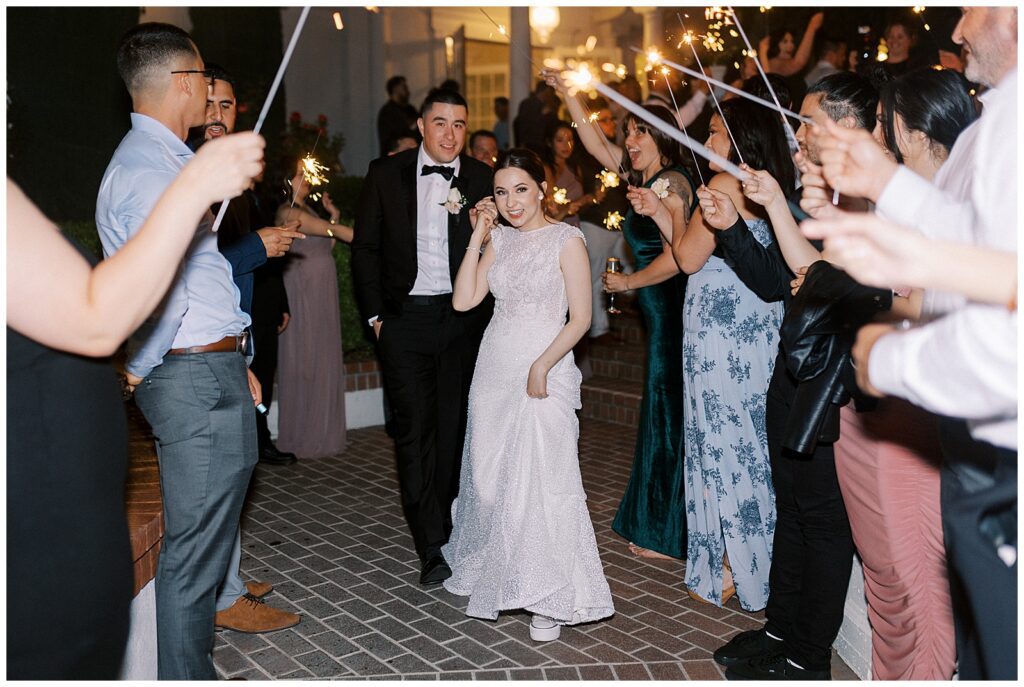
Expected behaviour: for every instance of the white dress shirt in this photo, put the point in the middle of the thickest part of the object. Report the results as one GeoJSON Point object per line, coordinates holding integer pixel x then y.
{"type": "Point", "coordinates": [433, 276]}
{"type": "Point", "coordinates": [964, 364]}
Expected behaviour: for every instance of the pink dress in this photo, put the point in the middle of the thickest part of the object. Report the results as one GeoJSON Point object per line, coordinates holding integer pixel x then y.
{"type": "Point", "coordinates": [888, 466]}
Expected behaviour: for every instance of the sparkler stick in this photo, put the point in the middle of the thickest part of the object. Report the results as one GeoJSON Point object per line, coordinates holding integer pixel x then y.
{"type": "Point", "coordinates": [680, 117]}
{"type": "Point", "coordinates": [790, 134]}
{"type": "Point", "coordinates": [583, 77]}
{"type": "Point", "coordinates": [270, 98]}
{"type": "Point", "coordinates": [590, 115]}
{"type": "Point", "coordinates": [732, 89]}
{"type": "Point", "coordinates": [688, 39]}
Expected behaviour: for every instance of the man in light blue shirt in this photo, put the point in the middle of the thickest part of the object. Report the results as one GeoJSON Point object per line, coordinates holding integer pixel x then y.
{"type": "Point", "coordinates": [186, 363]}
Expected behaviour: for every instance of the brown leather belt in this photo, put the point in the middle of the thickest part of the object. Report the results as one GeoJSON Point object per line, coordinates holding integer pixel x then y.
{"type": "Point", "coordinates": [229, 344]}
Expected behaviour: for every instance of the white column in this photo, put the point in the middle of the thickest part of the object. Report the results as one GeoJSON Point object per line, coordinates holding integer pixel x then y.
{"type": "Point", "coordinates": [520, 70]}
{"type": "Point", "coordinates": [654, 30]}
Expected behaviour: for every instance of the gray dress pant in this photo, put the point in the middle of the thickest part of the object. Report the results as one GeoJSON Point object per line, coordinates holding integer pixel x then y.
{"type": "Point", "coordinates": [200, 410]}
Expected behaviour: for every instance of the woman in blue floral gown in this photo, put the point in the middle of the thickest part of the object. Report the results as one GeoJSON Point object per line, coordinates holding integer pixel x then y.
{"type": "Point", "coordinates": [730, 339]}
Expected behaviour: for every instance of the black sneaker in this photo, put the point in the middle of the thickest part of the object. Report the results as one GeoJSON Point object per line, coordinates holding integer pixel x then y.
{"type": "Point", "coordinates": [773, 667]}
{"type": "Point", "coordinates": [747, 645]}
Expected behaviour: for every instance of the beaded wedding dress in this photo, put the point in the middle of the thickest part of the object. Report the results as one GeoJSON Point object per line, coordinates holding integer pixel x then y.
{"type": "Point", "coordinates": [522, 536]}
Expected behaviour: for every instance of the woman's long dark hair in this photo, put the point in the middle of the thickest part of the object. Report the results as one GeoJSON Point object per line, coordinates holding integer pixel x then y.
{"type": "Point", "coordinates": [668, 148]}
{"type": "Point", "coordinates": [524, 159]}
{"type": "Point", "coordinates": [775, 37]}
{"type": "Point", "coordinates": [936, 103]}
{"type": "Point", "coordinates": [550, 132]}
{"type": "Point", "coordinates": [761, 139]}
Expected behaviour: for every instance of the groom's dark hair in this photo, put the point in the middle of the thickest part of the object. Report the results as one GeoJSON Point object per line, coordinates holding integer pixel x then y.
{"type": "Point", "coordinates": [442, 96]}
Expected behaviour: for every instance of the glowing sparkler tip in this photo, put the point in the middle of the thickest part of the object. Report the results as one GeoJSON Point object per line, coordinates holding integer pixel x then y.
{"type": "Point", "coordinates": [653, 56]}
{"type": "Point", "coordinates": [560, 196]}
{"type": "Point", "coordinates": [502, 30]}
{"type": "Point", "coordinates": [313, 171]}
{"type": "Point", "coordinates": [613, 222]}
{"type": "Point", "coordinates": [608, 178]}
{"type": "Point", "coordinates": [593, 117]}
{"type": "Point", "coordinates": [580, 77]}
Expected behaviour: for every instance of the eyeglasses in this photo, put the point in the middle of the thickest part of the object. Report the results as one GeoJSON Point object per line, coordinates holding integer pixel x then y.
{"type": "Point", "coordinates": [207, 74]}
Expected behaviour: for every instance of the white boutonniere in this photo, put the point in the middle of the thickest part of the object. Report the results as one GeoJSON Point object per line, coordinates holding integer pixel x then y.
{"type": "Point", "coordinates": [456, 201]}
{"type": "Point", "coordinates": [660, 188]}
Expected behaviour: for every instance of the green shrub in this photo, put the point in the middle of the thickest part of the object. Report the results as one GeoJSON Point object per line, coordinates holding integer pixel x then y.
{"type": "Point", "coordinates": [354, 331]}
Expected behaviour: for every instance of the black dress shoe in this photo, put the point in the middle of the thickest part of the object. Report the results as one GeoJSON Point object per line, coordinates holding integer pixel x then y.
{"type": "Point", "coordinates": [773, 667]}
{"type": "Point", "coordinates": [435, 570]}
{"type": "Point", "coordinates": [270, 455]}
{"type": "Point", "coordinates": [746, 646]}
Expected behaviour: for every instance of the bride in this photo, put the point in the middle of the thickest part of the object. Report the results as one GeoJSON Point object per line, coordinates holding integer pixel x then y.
{"type": "Point", "coordinates": [522, 536]}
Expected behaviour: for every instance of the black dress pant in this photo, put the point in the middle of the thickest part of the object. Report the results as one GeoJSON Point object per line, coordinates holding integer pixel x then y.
{"type": "Point", "coordinates": [264, 366]}
{"type": "Point", "coordinates": [812, 553]}
{"type": "Point", "coordinates": [979, 513]}
{"type": "Point", "coordinates": [427, 355]}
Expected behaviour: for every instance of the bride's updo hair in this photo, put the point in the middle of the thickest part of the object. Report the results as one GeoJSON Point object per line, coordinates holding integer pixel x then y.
{"type": "Point", "coordinates": [524, 159]}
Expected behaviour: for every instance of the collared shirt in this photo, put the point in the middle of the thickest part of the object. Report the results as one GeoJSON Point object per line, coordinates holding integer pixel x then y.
{"type": "Point", "coordinates": [432, 271]}
{"type": "Point", "coordinates": [821, 70]}
{"type": "Point", "coordinates": [202, 305]}
{"type": "Point", "coordinates": [965, 364]}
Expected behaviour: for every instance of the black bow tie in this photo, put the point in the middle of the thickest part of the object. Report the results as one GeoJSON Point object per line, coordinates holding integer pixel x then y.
{"type": "Point", "coordinates": [446, 172]}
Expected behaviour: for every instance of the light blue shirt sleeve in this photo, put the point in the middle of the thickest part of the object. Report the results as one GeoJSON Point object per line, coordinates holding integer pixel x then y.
{"type": "Point", "coordinates": [202, 304]}
{"type": "Point", "coordinates": [120, 222]}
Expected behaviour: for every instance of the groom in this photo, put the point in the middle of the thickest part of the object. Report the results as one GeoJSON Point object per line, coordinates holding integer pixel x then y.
{"type": "Point", "coordinates": [411, 232]}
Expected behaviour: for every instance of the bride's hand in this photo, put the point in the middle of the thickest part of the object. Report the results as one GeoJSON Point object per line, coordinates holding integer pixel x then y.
{"type": "Point", "coordinates": [483, 215]}
{"type": "Point", "coordinates": [537, 382]}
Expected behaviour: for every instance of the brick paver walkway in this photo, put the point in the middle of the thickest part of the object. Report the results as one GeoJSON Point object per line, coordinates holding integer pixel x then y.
{"type": "Point", "coordinates": [330, 535]}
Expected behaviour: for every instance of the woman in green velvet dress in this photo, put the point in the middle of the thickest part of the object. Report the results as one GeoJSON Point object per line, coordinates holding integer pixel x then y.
{"type": "Point", "coordinates": [652, 514]}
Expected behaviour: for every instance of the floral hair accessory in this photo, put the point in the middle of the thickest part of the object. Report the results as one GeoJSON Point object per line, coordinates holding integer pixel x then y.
{"type": "Point", "coordinates": [660, 188]}
{"type": "Point", "coordinates": [456, 201]}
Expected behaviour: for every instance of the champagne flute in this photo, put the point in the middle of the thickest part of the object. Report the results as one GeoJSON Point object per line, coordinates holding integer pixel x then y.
{"type": "Point", "coordinates": [612, 266]}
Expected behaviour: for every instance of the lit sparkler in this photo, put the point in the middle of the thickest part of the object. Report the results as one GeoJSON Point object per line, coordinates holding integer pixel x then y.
{"type": "Point", "coordinates": [560, 196]}
{"type": "Point", "coordinates": [580, 78]}
{"type": "Point", "coordinates": [313, 171]}
{"type": "Point", "coordinates": [714, 97]}
{"type": "Point", "coordinates": [608, 178]}
{"type": "Point", "coordinates": [613, 222]}
{"type": "Point", "coordinates": [790, 134]}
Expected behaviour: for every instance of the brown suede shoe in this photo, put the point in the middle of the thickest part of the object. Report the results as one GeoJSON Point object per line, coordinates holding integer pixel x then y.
{"type": "Point", "coordinates": [253, 616]}
{"type": "Point", "coordinates": [258, 589]}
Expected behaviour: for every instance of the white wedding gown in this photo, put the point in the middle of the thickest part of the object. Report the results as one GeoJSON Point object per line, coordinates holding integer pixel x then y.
{"type": "Point", "coordinates": [522, 536]}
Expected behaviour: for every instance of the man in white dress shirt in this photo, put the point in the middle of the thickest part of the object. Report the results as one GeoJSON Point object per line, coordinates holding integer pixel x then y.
{"type": "Point", "coordinates": [964, 364]}
{"type": "Point", "coordinates": [411, 232]}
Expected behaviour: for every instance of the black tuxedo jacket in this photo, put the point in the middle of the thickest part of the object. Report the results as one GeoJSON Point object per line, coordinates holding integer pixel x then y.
{"type": "Point", "coordinates": [384, 262]}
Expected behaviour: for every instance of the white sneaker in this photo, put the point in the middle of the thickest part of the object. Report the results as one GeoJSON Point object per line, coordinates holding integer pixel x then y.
{"type": "Point", "coordinates": [544, 629]}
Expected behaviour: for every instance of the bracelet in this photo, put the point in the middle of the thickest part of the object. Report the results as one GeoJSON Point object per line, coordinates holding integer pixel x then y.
{"type": "Point", "coordinates": [479, 249]}
{"type": "Point", "coordinates": [627, 282]}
